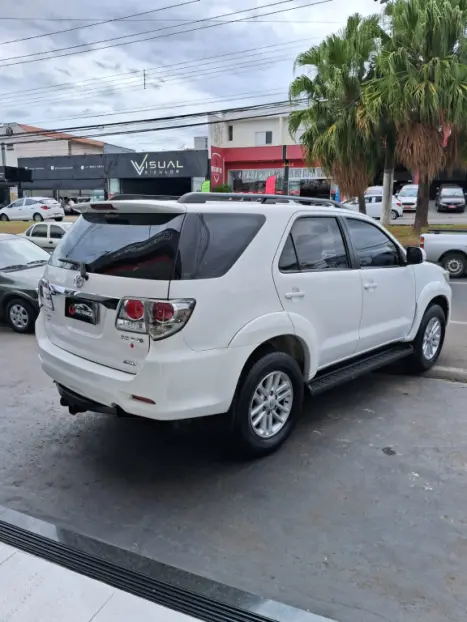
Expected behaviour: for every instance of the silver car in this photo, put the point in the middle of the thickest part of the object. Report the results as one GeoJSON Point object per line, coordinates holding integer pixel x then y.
{"type": "Point", "coordinates": [46, 234]}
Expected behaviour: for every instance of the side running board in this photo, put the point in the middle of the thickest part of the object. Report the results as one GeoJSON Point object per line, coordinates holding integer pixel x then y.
{"type": "Point", "coordinates": [328, 379]}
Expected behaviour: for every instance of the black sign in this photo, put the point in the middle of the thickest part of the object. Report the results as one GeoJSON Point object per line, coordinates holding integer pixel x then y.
{"type": "Point", "coordinates": [119, 165]}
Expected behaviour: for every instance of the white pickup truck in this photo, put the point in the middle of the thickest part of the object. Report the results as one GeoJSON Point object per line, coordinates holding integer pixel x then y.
{"type": "Point", "coordinates": [448, 248]}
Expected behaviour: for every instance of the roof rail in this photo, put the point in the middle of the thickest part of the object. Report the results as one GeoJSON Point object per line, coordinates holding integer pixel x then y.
{"type": "Point", "coordinates": [206, 197]}
{"type": "Point", "coordinates": [155, 197]}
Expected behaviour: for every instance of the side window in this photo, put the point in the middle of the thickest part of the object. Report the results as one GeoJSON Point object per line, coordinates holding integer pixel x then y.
{"type": "Point", "coordinates": [318, 245]}
{"type": "Point", "coordinates": [17, 203]}
{"type": "Point", "coordinates": [211, 243]}
{"type": "Point", "coordinates": [288, 261]}
{"type": "Point", "coordinates": [367, 200]}
{"type": "Point", "coordinates": [56, 232]}
{"type": "Point", "coordinates": [378, 199]}
{"type": "Point", "coordinates": [29, 202]}
{"type": "Point", "coordinates": [372, 246]}
{"type": "Point", "coordinates": [40, 231]}
{"type": "Point", "coordinates": [29, 231]}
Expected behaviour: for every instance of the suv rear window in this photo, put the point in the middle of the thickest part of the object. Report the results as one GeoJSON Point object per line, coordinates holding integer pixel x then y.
{"type": "Point", "coordinates": [157, 246]}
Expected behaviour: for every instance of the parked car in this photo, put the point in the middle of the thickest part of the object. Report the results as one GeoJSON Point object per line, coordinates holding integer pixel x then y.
{"type": "Point", "coordinates": [450, 198]}
{"type": "Point", "coordinates": [46, 234]}
{"type": "Point", "coordinates": [21, 267]}
{"type": "Point", "coordinates": [374, 204]}
{"type": "Point", "coordinates": [448, 248]}
{"type": "Point", "coordinates": [173, 310]}
{"type": "Point", "coordinates": [34, 208]}
{"type": "Point", "coordinates": [407, 197]}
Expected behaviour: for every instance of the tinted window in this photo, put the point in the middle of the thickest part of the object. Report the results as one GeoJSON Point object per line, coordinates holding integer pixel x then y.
{"type": "Point", "coordinates": [29, 202]}
{"type": "Point", "coordinates": [138, 246]}
{"type": "Point", "coordinates": [28, 231]}
{"type": "Point", "coordinates": [377, 199]}
{"type": "Point", "coordinates": [373, 248]}
{"type": "Point", "coordinates": [288, 261]}
{"type": "Point", "coordinates": [40, 231]}
{"type": "Point", "coordinates": [318, 243]}
{"type": "Point", "coordinates": [17, 203]}
{"type": "Point", "coordinates": [211, 243]}
{"type": "Point", "coordinates": [56, 232]}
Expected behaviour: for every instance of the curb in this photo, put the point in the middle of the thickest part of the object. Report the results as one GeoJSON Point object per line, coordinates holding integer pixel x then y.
{"type": "Point", "coordinates": [455, 374]}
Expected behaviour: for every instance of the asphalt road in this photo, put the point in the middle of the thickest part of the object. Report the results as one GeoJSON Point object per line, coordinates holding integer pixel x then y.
{"type": "Point", "coordinates": [361, 517]}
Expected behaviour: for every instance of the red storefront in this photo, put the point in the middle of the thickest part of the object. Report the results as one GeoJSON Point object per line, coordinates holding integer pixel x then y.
{"type": "Point", "coordinates": [247, 169]}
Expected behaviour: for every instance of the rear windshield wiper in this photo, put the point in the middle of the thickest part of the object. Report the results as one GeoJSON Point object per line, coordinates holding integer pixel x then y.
{"type": "Point", "coordinates": [81, 265]}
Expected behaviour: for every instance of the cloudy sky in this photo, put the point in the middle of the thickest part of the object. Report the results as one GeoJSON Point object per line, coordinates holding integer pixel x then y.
{"type": "Point", "coordinates": [216, 66]}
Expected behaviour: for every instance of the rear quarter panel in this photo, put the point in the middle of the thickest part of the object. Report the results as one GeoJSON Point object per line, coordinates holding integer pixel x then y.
{"type": "Point", "coordinates": [241, 297]}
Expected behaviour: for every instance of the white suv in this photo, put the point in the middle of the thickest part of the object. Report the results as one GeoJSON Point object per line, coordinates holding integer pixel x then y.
{"type": "Point", "coordinates": [172, 310]}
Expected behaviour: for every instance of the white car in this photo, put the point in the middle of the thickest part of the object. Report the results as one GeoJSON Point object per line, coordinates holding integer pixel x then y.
{"type": "Point", "coordinates": [33, 208]}
{"type": "Point", "coordinates": [173, 310]}
{"type": "Point", "coordinates": [407, 197]}
{"type": "Point", "coordinates": [374, 204]}
{"type": "Point", "coordinates": [47, 234]}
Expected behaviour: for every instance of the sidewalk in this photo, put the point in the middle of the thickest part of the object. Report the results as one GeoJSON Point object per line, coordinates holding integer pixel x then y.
{"type": "Point", "coordinates": [49, 573]}
{"type": "Point", "coordinates": [34, 590]}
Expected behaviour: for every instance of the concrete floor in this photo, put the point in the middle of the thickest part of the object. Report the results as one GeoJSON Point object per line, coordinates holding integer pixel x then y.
{"type": "Point", "coordinates": [361, 517]}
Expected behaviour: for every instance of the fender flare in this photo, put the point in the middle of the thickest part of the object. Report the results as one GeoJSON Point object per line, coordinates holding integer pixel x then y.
{"type": "Point", "coordinates": [429, 292]}
{"type": "Point", "coordinates": [267, 327]}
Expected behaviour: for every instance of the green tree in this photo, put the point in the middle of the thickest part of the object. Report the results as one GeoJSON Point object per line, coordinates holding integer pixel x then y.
{"type": "Point", "coordinates": [420, 85]}
{"type": "Point", "coordinates": [329, 96]}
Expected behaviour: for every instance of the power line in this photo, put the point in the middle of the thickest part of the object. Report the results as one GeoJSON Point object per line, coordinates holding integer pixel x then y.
{"type": "Point", "coordinates": [184, 104]}
{"type": "Point", "coordinates": [84, 19]}
{"type": "Point", "coordinates": [121, 124]}
{"type": "Point", "coordinates": [31, 60]}
{"type": "Point", "coordinates": [193, 75]}
{"type": "Point", "coordinates": [107, 21]}
{"type": "Point", "coordinates": [12, 95]}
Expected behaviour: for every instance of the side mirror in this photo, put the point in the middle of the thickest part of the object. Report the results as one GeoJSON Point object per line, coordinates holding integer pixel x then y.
{"type": "Point", "coordinates": [414, 255]}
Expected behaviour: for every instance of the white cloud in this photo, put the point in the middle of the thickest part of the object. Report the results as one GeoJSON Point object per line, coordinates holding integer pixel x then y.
{"type": "Point", "coordinates": [168, 83]}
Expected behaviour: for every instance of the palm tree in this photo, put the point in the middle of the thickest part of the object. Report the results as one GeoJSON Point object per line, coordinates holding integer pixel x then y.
{"type": "Point", "coordinates": [420, 83]}
{"type": "Point", "coordinates": [330, 106]}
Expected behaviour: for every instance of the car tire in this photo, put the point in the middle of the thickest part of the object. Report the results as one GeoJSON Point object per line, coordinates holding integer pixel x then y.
{"type": "Point", "coordinates": [37, 217]}
{"type": "Point", "coordinates": [4, 218]}
{"type": "Point", "coordinates": [455, 264]}
{"type": "Point", "coordinates": [394, 214]}
{"type": "Point", "coordinates": [58, 219]}
{"type": "Point", "coordinates": [255, 436]}
{"type": "Point", "coordinates": [20, 315]}
{"type": "Point", "coordinates": [429, 341]}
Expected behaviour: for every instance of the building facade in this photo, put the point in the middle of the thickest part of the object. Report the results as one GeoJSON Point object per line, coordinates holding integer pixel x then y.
{"type": "Point", "coordinates": [19, 142]}
{"type": "Point", "coordinates": [247, 153]}
{"type": "Point", "coordinates": [99, 176]}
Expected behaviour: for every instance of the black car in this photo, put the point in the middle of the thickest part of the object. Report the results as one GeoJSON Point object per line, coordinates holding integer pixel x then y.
{"type": "Point", "coordinates": [450, 198]}
{"type": "Point", "coordinates": [21, 267]}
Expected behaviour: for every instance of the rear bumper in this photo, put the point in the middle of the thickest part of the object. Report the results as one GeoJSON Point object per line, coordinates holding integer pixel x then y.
{"type": "Point", "coordinates": [183, 383]}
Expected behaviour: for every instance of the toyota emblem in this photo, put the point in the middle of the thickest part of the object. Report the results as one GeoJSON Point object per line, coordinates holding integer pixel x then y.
{"type": "Point", "coordinates": [78, 281]}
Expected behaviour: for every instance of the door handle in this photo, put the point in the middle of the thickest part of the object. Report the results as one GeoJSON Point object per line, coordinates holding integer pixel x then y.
{"type": "Point", "coordinates": [370, 286]}
{"type": "Point", "coordinates": [297, 294]}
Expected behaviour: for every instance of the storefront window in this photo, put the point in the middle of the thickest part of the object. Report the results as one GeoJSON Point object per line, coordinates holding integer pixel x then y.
{"type": "Point", "coordinates": [254, 181]}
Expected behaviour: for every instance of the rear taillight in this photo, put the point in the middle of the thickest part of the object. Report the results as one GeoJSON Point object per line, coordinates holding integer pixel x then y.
{"type": "Point", "coordinates": [157, 318]}
{"type": "Point", "coordinates": [422, 242]}
{"type": "Point", "coordinates": [44, 295]}
{"type": "Point", "coordinates": [399, 204]}
{"type": "Point", "coordinates": [44, 207]}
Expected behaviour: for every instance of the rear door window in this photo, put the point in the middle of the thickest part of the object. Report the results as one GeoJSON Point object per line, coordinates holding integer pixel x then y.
{"type": "Point", "coordinates": [40, 231]}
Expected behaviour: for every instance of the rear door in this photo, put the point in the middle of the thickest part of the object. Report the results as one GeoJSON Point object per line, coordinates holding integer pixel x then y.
{"type": "Point", "coordinates": [122, 254]}
{"type": "Point", "coordinates": [15, 210]}
{"type": "Point", "coordinates": [388, 286]}
{"type": "Point", "coordinates": [314, 279]}
{"type": "Point", "coordinates": [39, 234]}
